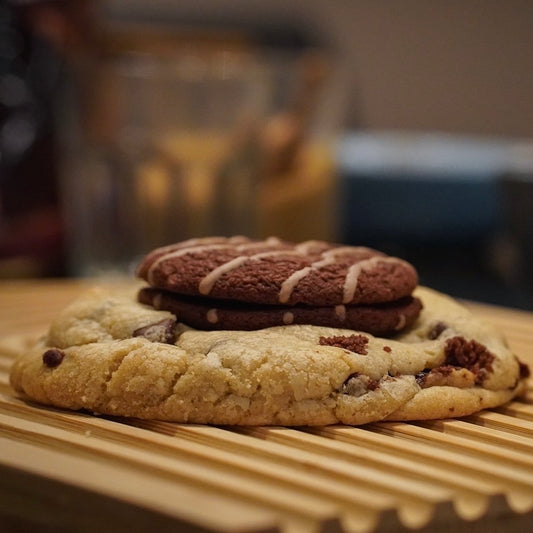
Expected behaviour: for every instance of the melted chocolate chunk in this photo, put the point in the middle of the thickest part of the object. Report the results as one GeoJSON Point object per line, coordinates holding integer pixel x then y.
{"type": "Point", "coordinates": [359, 384]}
{"type": "Point", "coordinates": [469, 354]}
{"type": "Point", "coordinates": [421, 378]}
{"type": "Point", "coordinates": [353, 343]}
{"type": "Point", "coordinates": [446, 375]}
{"type": "Point", "coordinates": [162, 331]}
{"type": "Point", "coordinates": [53, 357]}
{"type": "Point", "coordinates": [436, 330]}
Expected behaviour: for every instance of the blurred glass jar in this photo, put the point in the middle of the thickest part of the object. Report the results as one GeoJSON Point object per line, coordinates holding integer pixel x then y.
{"type": "Point", "coordinates": [165, 138]}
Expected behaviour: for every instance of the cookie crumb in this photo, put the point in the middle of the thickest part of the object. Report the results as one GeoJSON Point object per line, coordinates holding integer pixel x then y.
{"type": "Point", "coordinates": [353, 343]}
{"type": "Point", "coordinates": [53, 357]}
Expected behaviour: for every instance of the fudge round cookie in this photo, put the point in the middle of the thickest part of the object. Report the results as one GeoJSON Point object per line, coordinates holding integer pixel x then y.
{"type": "Point", "coordinates": [109, 354]}
{"type": "Point", "coordinates": [208, 314]}
{"type": "Point", "coordinates": [276, 272]}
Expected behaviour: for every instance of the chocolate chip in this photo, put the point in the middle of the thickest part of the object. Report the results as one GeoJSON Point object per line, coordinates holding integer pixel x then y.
{"type": "Point", "coordinates": [53, 357]}
{"type": "Point", "coordinates": [387, 349]}
{"type": "Point", "coordinates": [162, 331]}
{"type": "Point", "coordinates": [436, 330]}
{"type": "Point", "coordinates": [353, 343]}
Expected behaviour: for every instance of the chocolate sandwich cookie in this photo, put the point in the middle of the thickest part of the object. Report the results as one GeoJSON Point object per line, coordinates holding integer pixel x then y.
{"type": "Point", "coordinates": [211, 314]}
{"type": "Point", "coordinates": [275, 272]}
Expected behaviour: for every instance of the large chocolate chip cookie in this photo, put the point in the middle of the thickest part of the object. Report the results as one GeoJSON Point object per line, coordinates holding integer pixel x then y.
{"type": "Point", "coordinates": [110, 354]}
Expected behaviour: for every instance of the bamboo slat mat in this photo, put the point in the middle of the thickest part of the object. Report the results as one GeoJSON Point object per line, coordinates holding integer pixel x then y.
{"type": "Point", "coordinates": [63, 471]}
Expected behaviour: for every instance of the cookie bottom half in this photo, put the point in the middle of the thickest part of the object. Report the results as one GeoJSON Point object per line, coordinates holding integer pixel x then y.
{"type": "Point", "coordinates": [210, 314]}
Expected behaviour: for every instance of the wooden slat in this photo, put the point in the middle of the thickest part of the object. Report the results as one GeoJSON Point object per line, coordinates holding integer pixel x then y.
{"type": "Point", "coordinates": [473, 474]}
{"type": "Point", "coordinates": [288, 491]}
{"type": "Point", "coordinates": [436, 462]}
{"type": "Point", "coordinates": [29, 450]}
{"type": "Point", "coordinates": [415, 501]}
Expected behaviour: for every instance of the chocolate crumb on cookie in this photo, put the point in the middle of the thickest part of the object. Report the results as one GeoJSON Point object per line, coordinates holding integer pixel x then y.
{"type": "Point", "coordinates": [353, 343]}
{"type": "Point", "coordinates": [469, 354]}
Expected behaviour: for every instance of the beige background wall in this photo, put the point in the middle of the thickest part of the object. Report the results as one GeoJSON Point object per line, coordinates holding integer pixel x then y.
{"type": "Point", "coordinates": [461, 66]}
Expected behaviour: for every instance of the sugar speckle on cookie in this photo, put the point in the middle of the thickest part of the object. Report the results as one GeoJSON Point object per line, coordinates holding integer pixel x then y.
{"type": "Point", "coordinates": [353, 343]}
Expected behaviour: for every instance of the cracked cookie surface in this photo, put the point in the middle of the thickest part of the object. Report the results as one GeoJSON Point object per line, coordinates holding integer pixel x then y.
{"type": "Point", "coordinates": [109, 354]}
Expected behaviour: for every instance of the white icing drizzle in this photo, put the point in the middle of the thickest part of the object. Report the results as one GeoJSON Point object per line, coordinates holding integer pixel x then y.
{"type": "Point", "coordinates": [207, 282]}
{"type": "Point", "coordinates": [288, 318]}
{"type": "Point", "coordinates": [192, 246]}
{"type": "Point", "coordinates": [177, 253]}
{"type": "Point", "coordinates": [203, 244]}
{"type": "Point", "coordinates": [271, 241]}
{"type": "Point", "coordinates": [327, 258]}
{"type": "Point", "coordinates": [212, 316]}
{"type": "Point", "coordinates": [304, 247]}
{"type": "Point", "coordinates": [352, 277]}
{"type": "Point", "coordinates": [205, 241]}
{"type": "Point", "coordinates": [288, 286]}
{"type": "Point", "coordinates": [340, 311]}
{"type": "Point", "coordinates": [401, 322]}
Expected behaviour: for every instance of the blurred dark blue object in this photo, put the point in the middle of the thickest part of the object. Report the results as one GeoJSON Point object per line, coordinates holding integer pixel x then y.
{"type": "Point", "coordinates": [419, 189]}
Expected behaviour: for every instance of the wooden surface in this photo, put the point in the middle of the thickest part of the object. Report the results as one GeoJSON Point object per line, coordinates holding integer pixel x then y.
{"type": "Point", "coordinates": [63, 471]}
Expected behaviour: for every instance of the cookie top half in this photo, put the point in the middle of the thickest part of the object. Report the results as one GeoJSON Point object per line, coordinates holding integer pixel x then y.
{"type": "Point", "coordinates": [277, 272]}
